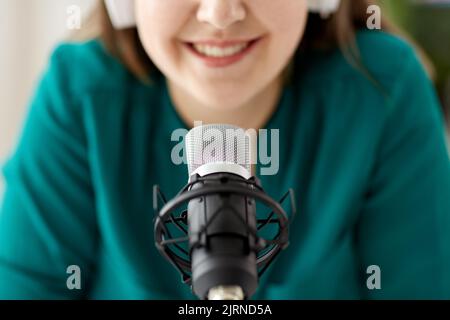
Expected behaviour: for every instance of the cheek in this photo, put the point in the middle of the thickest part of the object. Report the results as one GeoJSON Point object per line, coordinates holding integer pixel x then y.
{"type": "Point", "coordinates": [285, 22]}
{"type": "Point", "coordinates": [286, 15]}
{"type": "Point", "coordinates": [157, 35]}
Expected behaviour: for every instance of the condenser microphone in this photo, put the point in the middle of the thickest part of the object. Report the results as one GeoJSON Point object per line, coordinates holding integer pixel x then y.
{"type": "Point", "coordinates": [224, 255]}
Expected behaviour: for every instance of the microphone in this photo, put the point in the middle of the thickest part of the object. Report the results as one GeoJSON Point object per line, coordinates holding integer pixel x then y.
{"type": "Point", "coordinates": [219, 249]}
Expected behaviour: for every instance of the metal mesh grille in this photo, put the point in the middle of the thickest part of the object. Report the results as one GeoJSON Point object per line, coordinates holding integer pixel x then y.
{"type": "Point", "coordinates": [218, 143]}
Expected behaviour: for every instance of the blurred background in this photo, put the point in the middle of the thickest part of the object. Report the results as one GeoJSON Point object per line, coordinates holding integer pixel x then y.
{"type": "Point", "coordinates": [29, 30]}
{"type": "Point", "coordinates": [427, 22]}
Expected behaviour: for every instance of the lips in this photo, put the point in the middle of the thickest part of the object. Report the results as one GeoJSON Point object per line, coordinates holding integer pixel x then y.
{"type": "Point", "coordinates": [221, 53]}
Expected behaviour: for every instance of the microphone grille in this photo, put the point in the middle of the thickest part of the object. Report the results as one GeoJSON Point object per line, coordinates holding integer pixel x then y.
{"type": "Point", "coordinates": [219, 144]}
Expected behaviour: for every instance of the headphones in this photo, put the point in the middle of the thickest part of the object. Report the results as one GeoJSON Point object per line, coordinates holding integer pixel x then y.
{"type": "Point", "coordinates": [121, 12]}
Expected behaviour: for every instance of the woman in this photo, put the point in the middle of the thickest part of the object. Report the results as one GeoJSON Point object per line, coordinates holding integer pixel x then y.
{"type": "Point", "coordinates": [361, 142]}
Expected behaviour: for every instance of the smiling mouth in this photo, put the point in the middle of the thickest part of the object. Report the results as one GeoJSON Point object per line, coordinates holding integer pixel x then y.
{"type": "Point", "coordinates": [220, 51]}
{"type": "Point", "coordinates": [220, 54]}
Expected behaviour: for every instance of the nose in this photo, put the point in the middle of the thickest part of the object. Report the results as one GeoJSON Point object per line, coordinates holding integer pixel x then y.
{"type": "Point", "coordinates": [221, 13]}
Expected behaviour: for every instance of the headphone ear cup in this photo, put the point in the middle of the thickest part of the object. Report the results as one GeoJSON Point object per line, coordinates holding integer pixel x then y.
{"type": "Point", "coordinates": [121, 13]}
{"type": "Point", "coordinates": [323, 7]}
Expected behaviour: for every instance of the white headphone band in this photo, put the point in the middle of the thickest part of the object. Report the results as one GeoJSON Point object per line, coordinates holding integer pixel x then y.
{"type": "Point", "coordinates": [121, 12]}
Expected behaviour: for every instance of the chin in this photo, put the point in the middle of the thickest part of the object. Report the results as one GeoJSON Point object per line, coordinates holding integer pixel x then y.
{"type": "Point", "coordinates": [220, 104]}
{"type": "Point", "coordinates": [224, 100]}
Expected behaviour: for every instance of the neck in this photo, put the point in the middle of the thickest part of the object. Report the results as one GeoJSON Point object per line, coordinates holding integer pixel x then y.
{"type": "Point", "coordinates": [254, 114]}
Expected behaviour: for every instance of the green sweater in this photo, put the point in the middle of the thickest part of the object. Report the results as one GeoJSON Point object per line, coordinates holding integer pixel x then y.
{"type": "Point", "coordinates": [369, 167]}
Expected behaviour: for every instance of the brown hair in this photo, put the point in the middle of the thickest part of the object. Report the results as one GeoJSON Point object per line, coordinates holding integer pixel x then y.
{"type": "Point", "coordinates": [336, 31]}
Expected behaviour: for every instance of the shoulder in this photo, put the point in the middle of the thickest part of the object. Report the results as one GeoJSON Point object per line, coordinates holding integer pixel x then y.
{"type": "Point", "coordinates": [81, 79]}
{"type": "Point", "coordinates": [380, 48]}
{"type": "Point", "coordinates": [85, 67]}
{"type": "Point", "coordinates": [389, 91]}
{"type": "Point", "coordinates": [407, 89]}
{"type": "Point", "coordinates": [388, 70]}
{"type": "Point", "coordinates": [383, 55]}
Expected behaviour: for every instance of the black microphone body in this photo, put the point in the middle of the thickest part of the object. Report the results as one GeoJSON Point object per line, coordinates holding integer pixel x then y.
{"type": "Point", "coordinates": [222, 250]}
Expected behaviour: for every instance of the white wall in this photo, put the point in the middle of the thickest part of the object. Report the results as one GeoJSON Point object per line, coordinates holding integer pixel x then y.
{"type": "Point", "coordinates": [29, 29]}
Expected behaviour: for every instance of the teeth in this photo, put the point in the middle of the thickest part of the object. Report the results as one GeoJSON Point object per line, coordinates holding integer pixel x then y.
{"type": "Point", "coordinates": [217, 52]}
